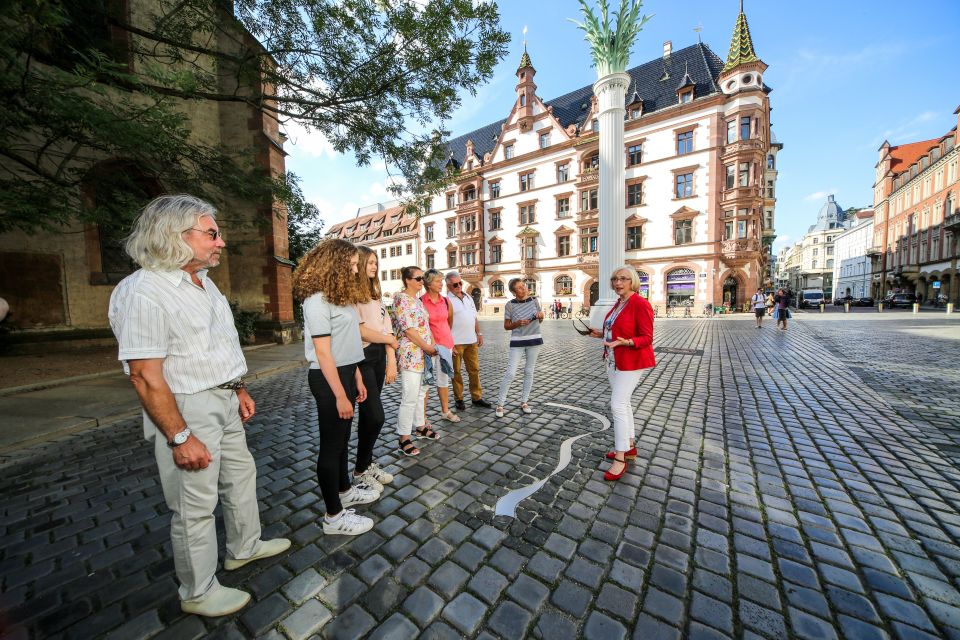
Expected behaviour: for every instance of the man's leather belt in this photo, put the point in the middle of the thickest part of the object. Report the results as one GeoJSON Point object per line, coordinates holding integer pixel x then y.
{"type": "Point", "coordinates": [233, 385]}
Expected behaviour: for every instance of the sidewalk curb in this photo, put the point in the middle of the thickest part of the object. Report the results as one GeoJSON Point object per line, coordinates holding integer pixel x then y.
{"type": "Point", "coordinates": [93, 423]}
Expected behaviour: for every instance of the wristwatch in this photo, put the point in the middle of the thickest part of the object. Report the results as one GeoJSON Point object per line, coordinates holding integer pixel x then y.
{"type": "Point", "coordinates": [179, 438]}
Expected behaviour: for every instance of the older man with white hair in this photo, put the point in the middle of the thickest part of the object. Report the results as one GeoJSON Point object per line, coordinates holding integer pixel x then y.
{"type": "Point", "coordinates": [179, 346]}
{"type": "Point", "coordinates": [467, 341]}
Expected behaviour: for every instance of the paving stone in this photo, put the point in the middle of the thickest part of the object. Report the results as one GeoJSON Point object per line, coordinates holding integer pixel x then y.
{"type": "Point", "coordinates": [552, 624]}
{"type": "Point", "coordinates": [711, 612]}
{"type": "Point", "coordinates": [601, 627]}
{"type": "Point", "coordinates": [383, 597]}
{"type": "Point", "coordinates": [465, 613]}
{"type": "Point", "coordinates": [663, 605]}
{"type": "Point", "coordinates": [509, 620]}
{"type": "Point", "coordinates": [649, 628]}
{"type": "Point", "coordinates": [306, 620]}
{"type": "Point", "coordinates": [762, 620]}
{"type": "Point", "coordinates": [353, 622]}
{"type": "Point", "coordinates": [145, 625]}
{"type": "Point", "coordinates": [396, 627]}
{"type": "Point", "coordinates": [859, 630]}
{"type": "Point", "coordinates": [617, 601]}
{"type": "Point", "coordinates": [373, 568]}
{"type": "Point", "coordinates": [264, 614]}
{"type": "Point", "coordinates": [469, 556]}
{"type": "Point", "coordinates": [304, 586]}
{"type": "Point", "coordinates": [423, 605]}
{"type": "Point", "coordinates": [571, 598]}
{"type": "Point", "coordinates": [809, 626]}
{"type": "Point", "coordinates": [341, 592]}
{"type": "Point", "coordinates": [528, 592]}
{"type": "Point", "coordinates": [545, 566]}
{"type": "Point", "coordinates": [412, 571]}
{"type": "Point", "coordinates": [488, 584]}
{"type": "Point", "coordinates": [448, 579]}
{"type": "Point", "coordinates": [488, 537]}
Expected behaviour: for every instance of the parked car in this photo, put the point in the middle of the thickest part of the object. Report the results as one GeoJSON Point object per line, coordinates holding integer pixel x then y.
{"type": "Point", "coordinates": [904, 300]}
{"type": "Point", "coordinates": [863, 302]}
{"type": "Point", "coordinates": [810, 298]}
{"type": "Point", "coordinates": [839, 300]}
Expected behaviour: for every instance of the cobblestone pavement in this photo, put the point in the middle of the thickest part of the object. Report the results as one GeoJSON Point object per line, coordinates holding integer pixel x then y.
{"type": "Point", "coordinates": [760, 506]}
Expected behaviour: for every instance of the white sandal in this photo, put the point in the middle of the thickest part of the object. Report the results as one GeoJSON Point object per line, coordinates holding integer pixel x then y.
{"type": "Point", "coordinates": [526, 408]}
{"type": "Point", "coordinates": [499, 412]}
{"type": "Point", "coordinates": [450, 416]}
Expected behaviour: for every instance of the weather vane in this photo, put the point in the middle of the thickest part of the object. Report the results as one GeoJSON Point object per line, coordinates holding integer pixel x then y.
{"type": "Point", "coordinates": [524, 37]}
{"type": "Point", "coordinates": [698, 29]}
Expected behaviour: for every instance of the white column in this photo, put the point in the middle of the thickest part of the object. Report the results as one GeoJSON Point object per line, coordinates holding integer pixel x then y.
{"type": "Point", "coordinates": [610, 91]}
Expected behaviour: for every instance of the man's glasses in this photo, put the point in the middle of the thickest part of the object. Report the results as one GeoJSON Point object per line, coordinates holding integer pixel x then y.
{"type": "Point", "coordinates": [454, 285]}
{"type": "Point", "coordinates": [213, 233]}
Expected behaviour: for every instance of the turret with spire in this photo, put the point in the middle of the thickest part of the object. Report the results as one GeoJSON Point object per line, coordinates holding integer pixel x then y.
{"type": "Point", "coordinates": [526, 89]}
{"type": "Point", "coordinates": [743, 69]}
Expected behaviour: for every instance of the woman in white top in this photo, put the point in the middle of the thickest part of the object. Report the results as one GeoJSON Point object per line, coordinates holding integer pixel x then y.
{"type": "Point", "coordinates": [379, 365]}
{"type": "Point", "coordinates": [326, 281]}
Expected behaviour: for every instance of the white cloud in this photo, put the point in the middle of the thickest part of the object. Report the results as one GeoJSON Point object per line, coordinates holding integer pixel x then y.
{"type": "Point", "coordinates": [309, 143]}
{"type": "Point", "coordinates": [908, 130]}
{"type": "Point", "coordinates": [782, 240]}
{"type": "Point", "coordinates": [820, 195]}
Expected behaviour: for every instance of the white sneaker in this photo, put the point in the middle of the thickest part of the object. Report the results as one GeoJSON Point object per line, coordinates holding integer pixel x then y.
{"type": "Point", "coordinates": [222, 602]}
{"type": "Point", "coordinates": [526, 408]}
{"type": "Point", "coordinates": [499, 412]}
{"type": "Point", "coordinates": [381, 476]}
{"type": "Point", "coordinates": [359, 495]}
{"type": "Point", "coordinates": [348, 523]}
{"type": "Point", "coordinates": [366, 481]}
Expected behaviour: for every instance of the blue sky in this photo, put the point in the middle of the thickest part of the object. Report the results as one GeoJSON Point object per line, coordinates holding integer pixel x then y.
{"type": "Point", "coordinates": [845, 76]}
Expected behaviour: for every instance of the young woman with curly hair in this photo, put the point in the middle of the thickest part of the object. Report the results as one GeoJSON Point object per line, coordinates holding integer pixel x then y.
{"type": "Point", "coordinates": [379, 364]}
{"type": "Point", "coordinates": [326, 281]}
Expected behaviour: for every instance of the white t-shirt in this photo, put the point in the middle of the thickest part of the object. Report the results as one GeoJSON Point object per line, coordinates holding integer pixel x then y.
{"type": "Point", "coordinates": [464, 319]}
{"type": "Point", "coordinates": [759, 302]}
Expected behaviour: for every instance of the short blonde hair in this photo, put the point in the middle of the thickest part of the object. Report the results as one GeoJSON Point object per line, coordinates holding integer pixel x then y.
{"type": "Point", "coordinates": [634, 276]}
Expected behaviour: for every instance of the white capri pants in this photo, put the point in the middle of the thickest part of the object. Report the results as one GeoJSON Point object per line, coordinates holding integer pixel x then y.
{"type": "Point", "coordinates": [622, 385]}
{"type": "Point", "coordinates": [412, 393]}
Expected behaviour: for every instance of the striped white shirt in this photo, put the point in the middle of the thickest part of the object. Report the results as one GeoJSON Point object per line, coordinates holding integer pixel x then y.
{"type": "Point", "coordinates": [162, 314]}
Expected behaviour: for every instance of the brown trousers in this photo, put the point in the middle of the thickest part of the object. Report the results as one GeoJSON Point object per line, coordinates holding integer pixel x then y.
{"type": "Point", "coordinates": [470, 353]}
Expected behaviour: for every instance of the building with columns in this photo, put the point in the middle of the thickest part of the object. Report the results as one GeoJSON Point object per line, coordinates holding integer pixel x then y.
{"type": "Point", "coordinates": [699, 186]}
{"type": "Point", "coordinates": [917, 218]}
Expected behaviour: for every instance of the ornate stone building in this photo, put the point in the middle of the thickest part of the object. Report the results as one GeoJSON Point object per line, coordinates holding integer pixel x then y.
{"type": "Point", "coordinates": [699, 186]}
{"type": "Point", "coordinates": [916, 222]}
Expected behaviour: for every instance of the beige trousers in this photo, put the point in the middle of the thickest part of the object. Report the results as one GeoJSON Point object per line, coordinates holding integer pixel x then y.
{"type": "Point", "coordinates": [213, 417]}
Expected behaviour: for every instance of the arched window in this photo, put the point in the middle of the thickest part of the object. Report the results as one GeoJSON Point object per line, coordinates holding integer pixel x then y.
{"type": "Point", "coordinates": [771, 162]}
{"type": "Point", "coordinates": [644, 284]}
{"type": "Point", "coordinates": [496, 288]}
{"type": "Point", "coordinates": [531, 286]}
{"type": "Point", "coordinates": [563, 286]}
{"type": "Point", "coordinates": [681, 284]}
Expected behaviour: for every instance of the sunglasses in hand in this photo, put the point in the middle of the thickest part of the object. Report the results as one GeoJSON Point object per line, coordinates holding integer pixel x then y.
{"type": "Point", "coordinates": [586, 328]}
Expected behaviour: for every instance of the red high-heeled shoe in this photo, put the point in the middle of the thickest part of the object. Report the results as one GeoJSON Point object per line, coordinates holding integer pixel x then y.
{"type": "Point", "coordinates": [630, 454]}
{"type": "Point", "coordinates": [607, 475]}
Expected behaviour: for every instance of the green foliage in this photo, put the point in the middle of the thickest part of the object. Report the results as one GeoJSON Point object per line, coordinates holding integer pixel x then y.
{"type": "Point", "coordinates": [245, 322]}
{"type": "Point", "coordinates": [83, 84]}
{"type": "Point", "coordinates": [610, 44]}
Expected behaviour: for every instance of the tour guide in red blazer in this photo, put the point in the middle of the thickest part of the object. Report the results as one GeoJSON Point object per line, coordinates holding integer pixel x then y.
{"type": "Point", "coordinates": [628, 333]}
{"type": "Point", "coordinates": [634, 322]}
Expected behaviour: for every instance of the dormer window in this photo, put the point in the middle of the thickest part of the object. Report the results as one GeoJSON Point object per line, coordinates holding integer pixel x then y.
{"type": "Point", "coordinates": [634, 114]}
{"type": "Point", "coordinates": [508, 151]}
{"type": "Point", "coordinates": [686, 96]}
{"type": "Point", "coordinates": [595, 125]}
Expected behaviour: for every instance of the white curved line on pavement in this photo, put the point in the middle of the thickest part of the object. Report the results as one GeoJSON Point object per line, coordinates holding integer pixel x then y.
{"type": "Point", "coordinates": [507, 505]}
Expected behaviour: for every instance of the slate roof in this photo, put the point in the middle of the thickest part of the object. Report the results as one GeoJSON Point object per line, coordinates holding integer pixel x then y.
{"type": "Point", "coordinates": [655, 82]}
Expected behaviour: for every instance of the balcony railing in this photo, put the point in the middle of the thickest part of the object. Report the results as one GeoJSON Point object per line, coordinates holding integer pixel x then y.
{"type": "Point", "coordinates": [741, 193]}
{"type": "Point", "coordinates": [952, 223]}
{"type": "Point", "coordinates": [589, 175]}
{"type": "Point", "coordinates": [473, 234]}
{"type": "Point", "coordinates": [528, 264]}
{"type": "Point", "coordinates": [875, 250]}
{"type": "Point", "coordinates": [753, 144]}
{"type": "Point", "coordinates": [588, 259]}
{"type": "Point", "coordinates": [470, 270]}
{"type": "Point", "coordinates": [739, 250]}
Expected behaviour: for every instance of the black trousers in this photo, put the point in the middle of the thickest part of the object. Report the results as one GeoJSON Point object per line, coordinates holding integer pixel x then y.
{"type": "Point", "coordinates": [332, 474]}
{"type": "Point", "coordinates": [373, 369]}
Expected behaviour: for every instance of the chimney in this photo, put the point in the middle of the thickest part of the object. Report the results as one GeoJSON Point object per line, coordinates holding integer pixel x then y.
{"type": "Point", "coordinates": [667, 49]}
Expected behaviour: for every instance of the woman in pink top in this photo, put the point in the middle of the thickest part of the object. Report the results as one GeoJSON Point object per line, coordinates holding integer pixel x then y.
{"type": "Point", "coordinates": [441, 319]}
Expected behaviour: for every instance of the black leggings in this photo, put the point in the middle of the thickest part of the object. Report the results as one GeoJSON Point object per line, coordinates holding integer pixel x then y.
{"type": "Point", "coordinates": [332, 474]}
{"type": "Point", "coordinates": [373, 369]}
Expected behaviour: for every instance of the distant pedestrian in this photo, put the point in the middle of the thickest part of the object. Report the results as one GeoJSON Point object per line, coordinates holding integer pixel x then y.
{"type": "Point", "coordinates": [326, 281]}
{"type": "Point", "coordinates": [522, 316]}
{"type": "Point", "coordinates": [759, 306]}
{"type": "Point", "coordinates": [179, 346]}
{"type": "Point", "coordinates": [467, 340]}
{"type": "Point", "coordinates": [557, 309]}
{"type": "Point", "coordinates": [379, 366]}
{"type": "Point", "coordinates": [416, 345]}
{"type": "Point", "coordinates": [770, 304]}
{"type": "Point", "coordinates": [782, 311]}
{"type": "Point", "coordinates": [627, 349]}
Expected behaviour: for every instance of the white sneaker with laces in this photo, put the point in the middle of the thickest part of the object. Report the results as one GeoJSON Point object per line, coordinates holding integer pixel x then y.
{"type": "Point", "coordinates": [358, 494]}
{"type": "Point", "coordinates": [379, 474]}
{"type": "Point", "coordinates": [347, 523]}
{"type": "Point", "coordinates": [366, 481]}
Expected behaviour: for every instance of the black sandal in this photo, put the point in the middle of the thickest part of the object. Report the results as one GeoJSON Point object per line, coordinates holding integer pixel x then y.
{"type": "Point", "coordinates": [426, 432]}
{"type": "Point", "coordinates": [408, 448]}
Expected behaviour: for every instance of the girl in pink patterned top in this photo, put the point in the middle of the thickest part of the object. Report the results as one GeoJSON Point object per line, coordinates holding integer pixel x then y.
{"type": "Point", "coordinates": [416, 340]}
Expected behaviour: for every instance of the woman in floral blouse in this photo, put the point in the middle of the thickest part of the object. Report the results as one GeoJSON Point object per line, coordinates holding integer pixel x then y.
{"type": "Point", "coordinates": [415, 341]}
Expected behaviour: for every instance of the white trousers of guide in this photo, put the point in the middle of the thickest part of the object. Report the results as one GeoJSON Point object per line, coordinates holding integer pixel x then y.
{"type": "Point", "coordinates": [622, 385]}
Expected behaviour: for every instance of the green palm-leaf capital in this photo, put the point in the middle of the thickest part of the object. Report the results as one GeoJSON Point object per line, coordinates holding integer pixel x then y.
{"type": "Point", "coordinates": [610, 43]}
